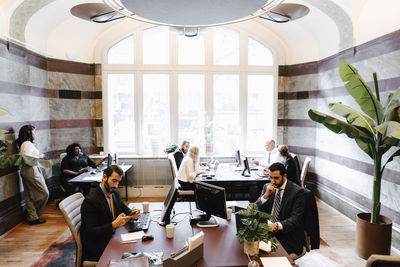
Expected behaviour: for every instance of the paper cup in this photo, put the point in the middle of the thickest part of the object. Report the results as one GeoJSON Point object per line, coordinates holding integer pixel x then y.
{"type": "Point", "coordinates": [170, 230]}
{"type": "Point", "coordinates": [229, 213]}
{"type": "Point", "coordinates": [145, 206]}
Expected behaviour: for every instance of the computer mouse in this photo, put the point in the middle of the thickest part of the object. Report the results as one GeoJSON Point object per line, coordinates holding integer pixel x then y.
{"type": "Point", "coordinates": [208, 177]}
{"type": "Point", "coordinates": [92, 172]}
{"type": "Point", "coordinates": [147, 237]}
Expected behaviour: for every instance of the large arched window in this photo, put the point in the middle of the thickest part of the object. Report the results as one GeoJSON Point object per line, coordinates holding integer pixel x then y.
{"type": "Point", "coordinates": [215, 90]}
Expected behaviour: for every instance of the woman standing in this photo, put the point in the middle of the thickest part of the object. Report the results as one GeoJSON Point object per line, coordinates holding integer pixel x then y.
{"type": "Point", "coordinates": [290, 165]}
{"type": "Point", "coordinates": [187, 171]}
{"type": "Point", "coordinates": [36, 192]}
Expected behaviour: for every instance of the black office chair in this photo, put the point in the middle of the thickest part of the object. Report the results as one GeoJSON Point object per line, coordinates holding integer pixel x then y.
{"type": "Point", "coordinates": [376, 260]}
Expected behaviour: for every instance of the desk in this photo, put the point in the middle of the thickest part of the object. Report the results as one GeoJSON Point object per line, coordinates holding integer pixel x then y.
{"type": "Point", "coordinates": [97, 176]}
{"type": "Point", "coordinates": [237, 187]}
{"type": "Point", "coordinates": [221, 246]}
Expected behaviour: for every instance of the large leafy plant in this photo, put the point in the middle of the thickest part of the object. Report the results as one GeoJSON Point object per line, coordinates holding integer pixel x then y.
{"type": "Point", "coordinates": [11, 160]}
{"type": "Point", "coordinates": [375, 131]}
{"type": "Point", "coordinates": [254, 229]}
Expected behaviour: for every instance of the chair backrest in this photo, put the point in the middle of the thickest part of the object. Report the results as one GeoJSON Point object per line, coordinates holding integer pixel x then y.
{"type": "Point", "coordinates": [376, 260]}
{"type": "Point", "coordinates": [304, 170]}
{"type": "Point", "coordinates": [172, 163]}
{"type": "Point", "coordinates": [71, 210]}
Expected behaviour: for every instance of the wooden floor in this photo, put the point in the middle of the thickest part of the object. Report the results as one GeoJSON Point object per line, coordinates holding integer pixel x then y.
{"type": "Point", "coordinates": [24, 244]}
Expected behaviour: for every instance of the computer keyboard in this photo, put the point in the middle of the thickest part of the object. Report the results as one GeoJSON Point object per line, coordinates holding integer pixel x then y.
{"type": "Point", "coordinates": [140, 224]}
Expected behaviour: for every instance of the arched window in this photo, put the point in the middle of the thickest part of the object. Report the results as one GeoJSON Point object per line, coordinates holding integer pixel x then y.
{"type": "Point", "coordinates": [215, 90]}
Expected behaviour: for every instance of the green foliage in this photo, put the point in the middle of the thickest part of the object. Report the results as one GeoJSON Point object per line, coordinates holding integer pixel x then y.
{"type": "Point", "coordinates": [375, 132]}
{"type": "Point", "coordinates": [171, 147]}
{"type": "Point", "coordinates": [254, 229]}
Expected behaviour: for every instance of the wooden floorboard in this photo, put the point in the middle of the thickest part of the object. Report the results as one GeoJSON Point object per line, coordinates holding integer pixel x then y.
{"type": "Point", "coordinates": [24, 244]}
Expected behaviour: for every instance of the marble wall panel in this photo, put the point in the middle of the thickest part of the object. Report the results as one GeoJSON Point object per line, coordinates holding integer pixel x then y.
{"type": "Point", "coordinates": [70, 81]}
{"type": "Point", "coordinates": [302, 83]}
{"type": "Point", "coordinates": [98, 83]}
{"type": "Point", "coordinates": [38, 77]}
{"type": "Point", "coordinates": [14, 72]}
{"type": "Point", "coordinates": [72, 109]}
{"type": "Point", "coordinates": [10, 185]}
{"type": "Point", "coordinates": [329, 79]}
{"type": "Point", "coordinates": [282, 83]}
{"type": "Point", "coordinates": [301, 136]}
{"type": "Point", "coordinates": [390, 193]}
{"type": "Point", "coordinates": [281, 109]}
{"type": "Point", "coordinates": [281, 136]}
{"type": "Point", "coordinates": [298, 109]}
{"type": "Point", "coordinates": [99, 109]}
{"type": "Point", "coordinates": [24, 108]}
{"type": "Point", "coordinates": [61, 138]}
{"type": "Point", "coordinates": [99, 137]}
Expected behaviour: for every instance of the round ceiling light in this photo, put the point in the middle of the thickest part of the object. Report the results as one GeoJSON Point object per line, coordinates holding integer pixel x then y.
{"type": "Point", "coordinates": [192, 13]}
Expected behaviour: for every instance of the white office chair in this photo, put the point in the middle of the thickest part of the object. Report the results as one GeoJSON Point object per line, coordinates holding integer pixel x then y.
{"type": "Point", "coordinates": [71, 210]}
{"type": "Point", "coordinates": [183, 194]}
{"type": "Point", "coordinates": [304, 170]}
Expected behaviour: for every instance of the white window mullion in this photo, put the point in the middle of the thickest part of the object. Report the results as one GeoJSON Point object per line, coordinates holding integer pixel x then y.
{"type": "Point", "coordinates": [243, 111]}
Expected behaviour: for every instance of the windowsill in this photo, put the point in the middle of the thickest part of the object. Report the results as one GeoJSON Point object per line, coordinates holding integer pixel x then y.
{"type": "Point", "coordinates": [164, 156]}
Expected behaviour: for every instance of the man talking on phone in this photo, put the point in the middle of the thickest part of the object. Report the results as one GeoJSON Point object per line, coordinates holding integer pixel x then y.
{"type": "Point", "coordinates": [285, 201]}
{"type": "Point", "coordinates": [102, 212]}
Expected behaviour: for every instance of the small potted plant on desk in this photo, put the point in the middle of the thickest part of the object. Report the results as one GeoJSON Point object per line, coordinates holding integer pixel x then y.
{"type": "Point", "coordinates": [254, 230]}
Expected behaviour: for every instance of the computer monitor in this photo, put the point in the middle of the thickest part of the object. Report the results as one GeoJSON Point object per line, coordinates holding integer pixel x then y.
{"type": "Point", "coordinates": [246, 167]}
{"type": "Point", "coordinates": [109, 160]}
{"type": "Point", "coordinates": [237, 158]}
{"type": "Point", "coordinates": [210, 199]}
{"type": "Point", "coordinates": [169, 203]}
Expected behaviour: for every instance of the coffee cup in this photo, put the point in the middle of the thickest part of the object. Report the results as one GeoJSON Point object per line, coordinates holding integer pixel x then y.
{"type": "Point", "coordinates": [228, 213]}
{"type": "Point", "coordinates": [170, 230]}
{"type": "Point", "coordinates": [145, 206]}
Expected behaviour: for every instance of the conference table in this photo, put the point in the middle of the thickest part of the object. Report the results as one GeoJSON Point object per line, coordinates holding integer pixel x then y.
{"type": "Point", "coordinates": [221, 246]}
{"type": "Point", "coordinates": [237, 187]}
{"type": "Point", "coordinates": [96, 175]}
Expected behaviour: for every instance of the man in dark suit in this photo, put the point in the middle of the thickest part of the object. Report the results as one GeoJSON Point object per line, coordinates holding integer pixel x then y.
{"type": "Point", "coordinates": [102, 212]}
{"type": "Point", "coordinates": [286, 202]}
{"type": "Point", "coordinates": [180, 153]}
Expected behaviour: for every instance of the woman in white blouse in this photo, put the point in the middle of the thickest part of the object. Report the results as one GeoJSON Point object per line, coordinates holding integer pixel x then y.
{"type": "Point", "coordinates": [35, 189]}
{"type": "Point", "coordinates": [187, 171]}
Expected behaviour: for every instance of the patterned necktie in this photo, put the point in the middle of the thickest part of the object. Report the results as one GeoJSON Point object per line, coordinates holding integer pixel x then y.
{"type": "Point", "coordinates": [269, 157]}
{"type": "Point", "coordinates": [112, 205]}
{"type": "Point", "coordinates": [277, 205]}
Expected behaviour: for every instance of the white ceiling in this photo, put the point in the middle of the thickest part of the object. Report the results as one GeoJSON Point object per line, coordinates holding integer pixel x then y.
{"type": "Point", "coordinates": [54, 32]}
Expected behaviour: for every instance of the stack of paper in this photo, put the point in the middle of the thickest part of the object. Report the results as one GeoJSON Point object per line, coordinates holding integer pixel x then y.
{"type": "Point", "coordinates": [132, 237]}
{"type": "Point", "coordinates": [275, 261]}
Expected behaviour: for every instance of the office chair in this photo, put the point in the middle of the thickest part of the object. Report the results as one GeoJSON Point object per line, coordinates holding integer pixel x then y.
{"type": "Point", "coordinates": [306, 164]}
{"type": "Point", "coordinates": [182, 194]}
{"type": "Point", "coordinates": [376, 260]}
{"type": "Point", "coordinates": [71, 210]}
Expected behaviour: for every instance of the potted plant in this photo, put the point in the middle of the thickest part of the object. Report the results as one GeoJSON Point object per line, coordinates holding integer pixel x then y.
{"type": "Point", "coordinates": [254, 231]}
{"type": "Point", "coordinates": [8, 160]}
{"type": "Point", "coordinates": [171, 147]}
{"type": "Point", "coordinates": [375, 131]}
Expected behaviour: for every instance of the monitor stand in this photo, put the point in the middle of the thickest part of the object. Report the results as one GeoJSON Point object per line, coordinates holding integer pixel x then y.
{"type": "Point", "coordinates": [205, 220]}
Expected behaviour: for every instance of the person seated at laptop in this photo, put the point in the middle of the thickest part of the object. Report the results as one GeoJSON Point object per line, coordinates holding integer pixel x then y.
{"type": "Point", "coordinates": [180, 153]}
{"type": "Point", "coordinates": [291, 167]}
{"type": "Point", "coordinates": [271, 156]}
{"type": "Point", "coordinates": [73, 164]}
{"type": "Point", "coordinates": [187, 172]}
{"type": "Point", "coordinates": [102, 212]}
{"type": "Point", "coordinates": [286, 202]}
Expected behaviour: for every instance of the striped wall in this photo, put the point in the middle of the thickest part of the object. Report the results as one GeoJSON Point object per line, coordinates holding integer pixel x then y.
{"type": "Point", "coordinates": [340, 172]}
{"type": "Point", "coordinates": [61, 99]}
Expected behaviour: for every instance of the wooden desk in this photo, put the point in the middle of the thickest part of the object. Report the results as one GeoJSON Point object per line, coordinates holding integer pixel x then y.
{"type": "Point", "coordinates": [221, 246]}
{"type": "Point", "coordinates": [237, 187]}
{"type": "Point", "coordinates": [96, 175]}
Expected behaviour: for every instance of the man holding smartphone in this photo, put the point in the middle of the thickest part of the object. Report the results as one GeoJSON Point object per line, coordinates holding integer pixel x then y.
{"type": "Point", "coordinates": [102, 212]}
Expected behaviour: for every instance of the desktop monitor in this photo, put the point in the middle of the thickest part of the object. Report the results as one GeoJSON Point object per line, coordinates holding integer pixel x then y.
{"type": "Point", "coordinates": [109, 160]}
{"type": "Point", "coordinates": [246, 167]}
{"type": "Point", "coordinates": [169, 203]}
{"type": "Point", "coordinates": [237, 158]}
{"type": "Point", "coordinates": [210, 199]}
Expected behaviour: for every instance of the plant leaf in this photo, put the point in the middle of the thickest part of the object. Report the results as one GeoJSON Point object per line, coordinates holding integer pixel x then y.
{"type": "Point", "coordinates": [360, 91]}
{"type": "Point", "coordinates": [339, 127]}
{"type": "Point", "coordinates": [3, 132]}
{"type": "Point", "coordinates": [353, 117]}
{"type": "Point", "coordinates": [10, 161]}
{"type": "Point", "coordinates": [394, 102]}
{"type": "Point", "coordinates": [366, 147]}
{"type": "Point", "coordinates": [3, 112]}
{"type": "Point", "coordinates": [389, 129]}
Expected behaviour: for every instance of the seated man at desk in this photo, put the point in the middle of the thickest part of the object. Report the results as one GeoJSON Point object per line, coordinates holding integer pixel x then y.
{"type": "Point", "coordinates": [73, 164]}
{"type": "Point", "coordinates": [271, 156]}
{"type": "Point", "coordinates": [286, 202]}
{"type": "Point", "coordinates": [180, 153]}
{"type": "Point", "coordinates": [102, 212]}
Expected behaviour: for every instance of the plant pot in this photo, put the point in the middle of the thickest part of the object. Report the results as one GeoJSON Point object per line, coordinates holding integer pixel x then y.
{"type": "Point", "coordinates": [251, 248]}
{"type": "Point", "coordinates": [373, 238]}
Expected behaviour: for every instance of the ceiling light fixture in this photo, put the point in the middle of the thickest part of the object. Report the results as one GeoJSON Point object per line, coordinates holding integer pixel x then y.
{"type": "Point", "coordinates": [192, 13]}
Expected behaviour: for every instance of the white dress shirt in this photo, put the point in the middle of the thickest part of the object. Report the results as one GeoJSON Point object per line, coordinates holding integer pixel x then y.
{"type": "Point", "coordinates": [29, 149]}
{"type": "Point", "coordinates": [271, 157]}
{"type": "Point", "coordinates": [263, 200]}
{"type": "Point", "coordinates": [186, 172]}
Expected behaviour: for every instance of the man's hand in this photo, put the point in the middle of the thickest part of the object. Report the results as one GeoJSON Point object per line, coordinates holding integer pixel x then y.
{"type": "Point", "coordinates": [135, 214]}
{"type": "Point", "coordinates": [273, 226]}
{"type": "Point", "coordinates": [270, 189]}
{"type": "Point", "coordinates": [266, 171]}
{"type": "Point", "coordinates": [256, 162]}
{"type": "Point", "coordinates": [120, 220]}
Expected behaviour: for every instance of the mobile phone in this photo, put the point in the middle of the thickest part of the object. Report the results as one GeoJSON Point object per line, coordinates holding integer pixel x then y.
{"type": "Point", "coordinates": [132, 213]}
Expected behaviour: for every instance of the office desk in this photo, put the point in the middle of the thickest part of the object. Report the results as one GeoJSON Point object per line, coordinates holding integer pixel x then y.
{"type": "Point", "coordinates": [237, 187]}
{"type": "Point", "coordinates": [221, 246]}
{"type": "Point", "coordinates": [96, 177]}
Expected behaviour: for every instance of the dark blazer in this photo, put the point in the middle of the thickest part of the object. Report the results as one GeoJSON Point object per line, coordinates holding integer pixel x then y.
{"type": "Point", "coordinates": [292, 171]}
{"type": "Point", "coordinates": [96, 218]}
{"type": "Point", "coordinates": [290, 216]}
{"type": "Point", "coordinates": [311, 222]}
{"type": "Point", "coordinates": [178, 155]}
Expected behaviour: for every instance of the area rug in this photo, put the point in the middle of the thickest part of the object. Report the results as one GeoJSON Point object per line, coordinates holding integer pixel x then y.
{"type": "Point", "coordinates": [62, 254]}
